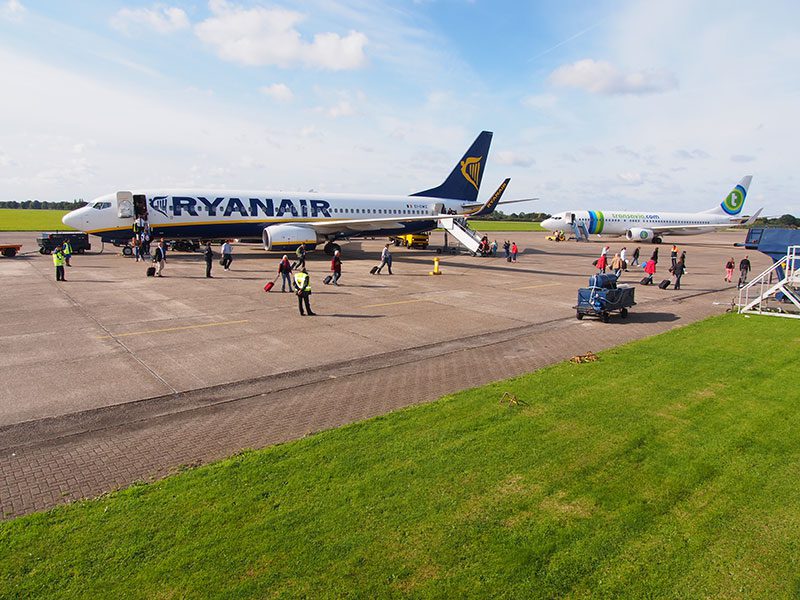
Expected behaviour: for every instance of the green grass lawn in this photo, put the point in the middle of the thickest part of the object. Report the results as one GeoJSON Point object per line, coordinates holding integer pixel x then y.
{"type": "Point", "coordinates": [17, 219]}
{"type": "Point", "coordinates": [486, 226]}
{"type": "Point", "coordinates": [669, 468]}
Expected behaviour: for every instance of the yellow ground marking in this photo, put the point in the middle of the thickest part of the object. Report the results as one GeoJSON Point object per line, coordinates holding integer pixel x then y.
{"type": "Point", "coordinates": [538, 285]}
{"type": "Point", "coordinates": [393, 303]}
{"type": "Point", "coordinates": [168, 329]}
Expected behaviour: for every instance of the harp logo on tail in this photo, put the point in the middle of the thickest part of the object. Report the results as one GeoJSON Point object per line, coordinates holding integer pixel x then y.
{"type": "Point", "coordinates": [471, 170]}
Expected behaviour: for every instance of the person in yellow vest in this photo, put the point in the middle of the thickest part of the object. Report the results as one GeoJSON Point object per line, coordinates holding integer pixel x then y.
{"type": "Point", "coordinates": [302, 284]}
{"type": "Point", "coordinates": [58, 261]}
{"type": "Point", "coordinates": [67, 251]}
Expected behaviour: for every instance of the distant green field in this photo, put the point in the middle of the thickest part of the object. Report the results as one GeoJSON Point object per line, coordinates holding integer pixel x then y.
{"type": "Point", "coordinates": [16, 219]}
{"type": "Point", "coordinates": [505, 226]}
{"type": "Point", "coordinates": [666, 469]}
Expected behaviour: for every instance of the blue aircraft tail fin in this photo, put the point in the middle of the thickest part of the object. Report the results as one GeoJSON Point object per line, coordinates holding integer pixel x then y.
{"type": "Point", "coordinates": [464, 181]}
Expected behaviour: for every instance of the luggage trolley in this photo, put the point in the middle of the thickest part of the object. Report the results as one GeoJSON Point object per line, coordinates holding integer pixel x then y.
{"type": "Point", "coordinates": [603, 297]}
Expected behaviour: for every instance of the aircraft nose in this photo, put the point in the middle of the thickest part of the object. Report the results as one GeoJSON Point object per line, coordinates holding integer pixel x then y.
{"type": "Point", "coordinates": [71, 219]}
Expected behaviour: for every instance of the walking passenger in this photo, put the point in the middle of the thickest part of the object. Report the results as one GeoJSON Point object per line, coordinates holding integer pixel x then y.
{"type": "Point", "coordinates": [616, 265]}
{"type": "Point", "coordinates": [729, 267]}
{"type": "Point", "coordinates": [623, 255]}
{"type": "Point", "coordinates": [336, 267]}
{"type": "Point", "coordinates": [285, 269]}
{"type": "Point", "coordinates": [227, 255]}
{"type": "Point", "coordinates": [160, 257]}
{"type": "Point", "coordinates": [386, 259]}
{"type": "Point", "coordinates": [208, 255]}
{"type": "Point", "coordinates": [650, 270]}
{"type": "Point", "coordinates": [654, 256]}
{"type": "Point", "coordinates": [744, 269]}
{"type": "Point", "coordinates": [673, 256]}
{"type": "Point", "coordinates": [678, 272]}
{"type": "Point", "coordinates": [635, 257]}
{"type": "Point", "coordinates": [514, 251]}
{"type": "Point", "coordinates": [494, 248]}
{"type": "Point", "coordinates": [302, 285]}
{"type": "Point", "coordinates": [507, 249]}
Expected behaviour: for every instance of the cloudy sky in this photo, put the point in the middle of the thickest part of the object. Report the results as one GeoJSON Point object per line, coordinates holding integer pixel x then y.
{"type": "Point", "coordinates": [605, 104]}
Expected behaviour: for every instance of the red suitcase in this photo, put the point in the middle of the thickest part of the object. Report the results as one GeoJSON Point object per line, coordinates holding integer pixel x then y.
{"type": "Point", "coordinates": [269, 286]}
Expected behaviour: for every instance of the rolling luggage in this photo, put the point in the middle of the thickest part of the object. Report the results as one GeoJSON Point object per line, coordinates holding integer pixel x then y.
{"type": "Point", "coordinates": [508, 259]}
{"type": "Point", "coordinates": [373, 270]}
{"type": "Point", "coordinates": [328, 279]}
{"type": "Point", "coordinates": [664, 284]}
{"type": "Point", "coordinates": [645, 281]}
{"type": "Point", "coordinates": [151, 271]}
{"type": "Point", "coordinates": [270, 284]}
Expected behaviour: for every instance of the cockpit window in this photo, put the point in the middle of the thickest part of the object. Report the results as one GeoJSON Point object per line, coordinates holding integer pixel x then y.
{"type": "Point", "coordinates": [101, 205]}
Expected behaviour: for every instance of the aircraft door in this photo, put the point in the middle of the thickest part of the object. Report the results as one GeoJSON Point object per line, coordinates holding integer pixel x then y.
{"type": "Point", "coordinates": [140, 206]}
{"type": "Point", "coordinates": [438, 208]}
{"type": "Point", "coordinates": [124, 205]}
{"type": "Point", "coordinates": [569, 218]}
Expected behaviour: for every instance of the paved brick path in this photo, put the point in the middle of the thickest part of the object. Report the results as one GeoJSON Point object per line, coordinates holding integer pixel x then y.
{"type": "Point", "coordinates": [52, 461]}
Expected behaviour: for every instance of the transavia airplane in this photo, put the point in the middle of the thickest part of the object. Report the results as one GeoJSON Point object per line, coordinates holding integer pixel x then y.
{"type": "Point", "coordinates": [644, 226]}
{"type": "Point", "coordinates": [285, 220]}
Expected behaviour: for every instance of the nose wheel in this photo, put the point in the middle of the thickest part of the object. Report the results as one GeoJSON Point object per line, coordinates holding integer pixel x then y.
{"type": "Point", "coordinates": [330, 248]}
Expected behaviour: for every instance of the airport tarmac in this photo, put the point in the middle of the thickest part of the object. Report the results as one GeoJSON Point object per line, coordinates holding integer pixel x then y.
{"type": "Point", "coordinates": [92, 365]}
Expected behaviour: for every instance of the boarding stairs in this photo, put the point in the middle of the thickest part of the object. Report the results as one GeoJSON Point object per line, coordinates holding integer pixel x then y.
{"type": "Point", "coordinates": [776, 291]}
{"type": "Point", "coordinates": [580, 231]}
{"type": "Point", "coordinates": [458, 228]}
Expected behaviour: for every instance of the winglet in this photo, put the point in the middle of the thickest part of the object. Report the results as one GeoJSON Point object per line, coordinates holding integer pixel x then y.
{"type": "Point", "coordinates": [752, 219]}
{"type": "Point", "coordinates": [491, 203]}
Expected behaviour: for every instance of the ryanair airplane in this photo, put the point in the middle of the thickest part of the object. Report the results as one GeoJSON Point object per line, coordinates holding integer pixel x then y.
{"type": "Point", "coordinates": [652, 226]}
{"type": "Point", "coordinates": [285, 220]}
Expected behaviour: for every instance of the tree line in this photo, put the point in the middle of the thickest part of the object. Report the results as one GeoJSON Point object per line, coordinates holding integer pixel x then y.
{"type": "Point", "coordinates": [38, 205]}
{"type": "Point", "coordinates": [499, 215]}
{"type": "Point", "coordinates": [785, 221]}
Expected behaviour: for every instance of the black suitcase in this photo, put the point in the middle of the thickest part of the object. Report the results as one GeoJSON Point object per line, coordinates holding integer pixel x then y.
{"type": "Point", "coordinates": [328, 279]}
{"type": "Point", "coordinates": [645, 281]}
{"type": "Point", "coordinates": [373, 270]}
{"type": "Point", "coordinates": [151, 271]}
{"type": "Point", "coordinates": [664, 284]}
{"type": "Point", "coordinates": [508, 259]}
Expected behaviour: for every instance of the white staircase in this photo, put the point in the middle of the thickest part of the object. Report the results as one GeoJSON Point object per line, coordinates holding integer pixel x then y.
{"type": "Point", "coordinates": [761, 295]}
{"type": "Point", "coordinates": [457, 226]}
{"type": "Point", "coordinates": [580, 231]}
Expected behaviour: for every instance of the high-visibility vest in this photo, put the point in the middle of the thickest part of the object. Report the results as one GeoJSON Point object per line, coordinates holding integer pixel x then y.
{"type": "Point", "coordinates": [58, 259]}
{"type": "Point", "coordinates": [67, 249]}
{"type": "Point", "coordinates": [302, 281]}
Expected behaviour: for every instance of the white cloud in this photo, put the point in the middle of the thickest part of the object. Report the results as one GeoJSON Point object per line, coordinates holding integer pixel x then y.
{"type": "Point", "coordinates": [742, 158]}
{"type": "Point", "coordinates": [540, 101]}
{"type": "Point", "coordinates": [601, 77]}
{"type": "Point", "coordinates": [262, 36]}
{"type": "Point", "coordinates": [278, 91]}
{"type": "Point", "coordinates": [158, 18]}
{"type": "Point", "coordinates": [343, 108]}
{"type": "Point", "coordinates": [509, 157]}
{"type": "Point", "coordinates": [691, 154]}
{"type": "Point", "coordinates": [13, 10]}
{"type": "Point", "coordinates": [630, 178]}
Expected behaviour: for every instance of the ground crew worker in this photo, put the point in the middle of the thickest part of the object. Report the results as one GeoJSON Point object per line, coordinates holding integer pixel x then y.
{"type": "Point", "coordinates": [67, 251]}
{"type": "Point", "coordinates": [302, 283]}
{"type": "Point", "coordinates": [58, 261]}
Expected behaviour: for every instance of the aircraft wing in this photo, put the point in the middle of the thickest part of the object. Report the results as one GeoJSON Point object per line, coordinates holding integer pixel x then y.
{"type": "Point", "coordinates": [371, 224]}
{"type": "Point", "coordinates": [738, 223]}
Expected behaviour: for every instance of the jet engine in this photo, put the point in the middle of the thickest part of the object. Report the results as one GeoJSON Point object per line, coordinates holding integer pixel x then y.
{"type": "Point", "coordinates": [639, 234]}
{"type": "Point", "coordinates": [286, 237]}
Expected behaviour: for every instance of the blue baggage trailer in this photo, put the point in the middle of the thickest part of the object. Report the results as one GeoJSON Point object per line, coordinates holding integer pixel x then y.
{"type": "Point", "coordinates": [604, 297]}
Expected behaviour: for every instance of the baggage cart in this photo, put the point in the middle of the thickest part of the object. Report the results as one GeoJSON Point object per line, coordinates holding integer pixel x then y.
{"type": "Point", "coordinates": [604, 297]}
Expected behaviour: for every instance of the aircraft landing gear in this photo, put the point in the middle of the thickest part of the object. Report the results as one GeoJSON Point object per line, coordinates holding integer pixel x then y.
{"type": "Point", "coordinates": [657, 240]}
{"type": "Point", "coordinates": [330, 248]}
